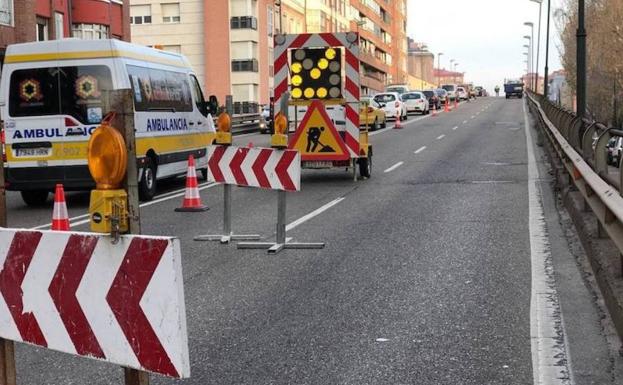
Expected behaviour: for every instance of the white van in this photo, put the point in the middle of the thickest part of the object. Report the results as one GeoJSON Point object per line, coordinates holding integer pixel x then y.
{"type": "Point", "coordinates": [53, 94]}
{"type": "Point", "coordinates": [451, 89]}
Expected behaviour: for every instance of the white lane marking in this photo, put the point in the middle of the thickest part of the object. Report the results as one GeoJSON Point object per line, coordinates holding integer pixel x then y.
{"type": "Point", "coordinates": [74, 221]}
{"type": "Point", "coordinates": [441, 136]}
{"type": "Point", "coordinates": [550, 358]}
{"type": "Point", "coordinates": [314, 213]}
{"type": "Point", "coordinates": [420, 150]}
{"type": "Point", "coordinates": [465, 122]}
{"type": "Point", "coordinates": [382, 340]}
{"type": "Point", "coordinates": [473, 116]}
{"type": "Point", "coordinates": [392, 168]}
{"type": "Point", "coordinates": [454, 128]}
{"type": "Point", "coordinates": [403, 123]}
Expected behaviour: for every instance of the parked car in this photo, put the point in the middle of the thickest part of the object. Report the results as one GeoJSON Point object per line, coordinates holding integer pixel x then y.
{"type": "Point", "coordinates": [371, 114]}
{"type": "Point", "coordinates": [392, 104]}
{"type": "Point", "coordinates": [416, 101]}
{"type": "Point", "coordinates": [479, 91]}
{"type": "Point", "coordinates": [451, 90]}
{"type": "Point", "coordinates": [442, 94]}
{"type": "Point", "coordinates": [266, 124]}
{"type": "Point", "coordinates": [399, 88]}
{"type": "Point", "coordinates": [614, 148]}
{"type": "Point", "coordinates": [461, 93]}
{"type": "Point", "coordinates": [433, 99]}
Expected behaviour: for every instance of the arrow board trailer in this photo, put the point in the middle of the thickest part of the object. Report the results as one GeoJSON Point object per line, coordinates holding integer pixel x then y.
{"type": "Point", "coordinates": [54, 94]}
{"type": "Point", "coordinates": [319, 76]}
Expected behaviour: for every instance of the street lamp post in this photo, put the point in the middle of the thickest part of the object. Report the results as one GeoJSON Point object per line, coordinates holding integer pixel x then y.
{"type": "Point", "coordinates": [529, 55]}
{"type": "Point", "coordinates": [546, 78]}
{"type": "Point", "coordinates": [538, 44]}
{"type": "Point", "coordinates": [531, 25]}
{"type": "Point", "coordinates": [439, 69]}
{"type": "Point", "coordinates": [581, 61]}
{"type": "Point", "coordinates": [455, 65]}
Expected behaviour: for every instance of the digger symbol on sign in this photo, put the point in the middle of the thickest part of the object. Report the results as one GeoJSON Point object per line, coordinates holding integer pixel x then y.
{"type": "Point", "coordinates": [313, 140]}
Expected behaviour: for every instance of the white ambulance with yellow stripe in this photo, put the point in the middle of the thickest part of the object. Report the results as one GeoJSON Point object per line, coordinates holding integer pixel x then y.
{"type": "Point", "coordinates": [53, 94]}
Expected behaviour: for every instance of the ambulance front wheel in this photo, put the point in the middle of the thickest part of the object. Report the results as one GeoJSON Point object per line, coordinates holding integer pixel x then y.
{"type": "Point", "coordinates": [147, 185]}
{"type": "Point", "coordinates": [35, 197]}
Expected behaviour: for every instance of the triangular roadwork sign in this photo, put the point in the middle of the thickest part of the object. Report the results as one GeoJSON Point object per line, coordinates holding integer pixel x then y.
{"type": "Point", "coordinates": [316, 137]}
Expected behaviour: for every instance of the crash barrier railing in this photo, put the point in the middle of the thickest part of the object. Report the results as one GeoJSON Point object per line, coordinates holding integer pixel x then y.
{"type": "Point", "coordinates": [581, 147]}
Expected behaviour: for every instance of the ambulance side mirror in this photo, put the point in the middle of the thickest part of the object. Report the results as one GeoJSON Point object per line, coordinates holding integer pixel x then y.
{"type": "Point", "coordinates": [212, 105]}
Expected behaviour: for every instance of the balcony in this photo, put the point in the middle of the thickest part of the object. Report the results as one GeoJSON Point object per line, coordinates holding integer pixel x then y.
{"type": "Point", "coordinates": [370, 81]}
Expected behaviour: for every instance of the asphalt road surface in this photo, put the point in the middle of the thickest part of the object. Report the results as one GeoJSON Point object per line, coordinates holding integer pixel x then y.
{"type": "Point", "coordinates": [426, 277]}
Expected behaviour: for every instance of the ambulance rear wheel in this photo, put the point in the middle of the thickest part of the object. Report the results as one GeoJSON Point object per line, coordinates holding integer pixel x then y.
{"type": "Point", "coordinates": [147, 185]}
{"type": "Point", "coordinates": [365, 167]}
{"type": "Point", "coordinates": [35, 197]}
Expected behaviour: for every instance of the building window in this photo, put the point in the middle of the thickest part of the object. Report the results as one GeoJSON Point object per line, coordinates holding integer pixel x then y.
{"type": "Point", "coordinates": [59, 26]}
{"type": "Point", "coordinates": [6, 12]}
{"type": "Point", "coordinates": [244, 65]}
{"type": "Point", "coordinates": [42, 29]}
{"type": "Point", "coordinates": [243, 22]}
{"type": "Point", "coordinates": [90, 31]}
{"type": "Point", "coordinates": [140, 14]}
{"type": "Point", "coordinates": [171, 13]}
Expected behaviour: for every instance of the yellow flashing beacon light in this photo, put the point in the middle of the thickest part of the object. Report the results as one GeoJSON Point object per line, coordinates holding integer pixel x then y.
{"type": "Point", "coordinates": [107, 159]}
{"type": "Point", "coordinates": [279, 139]}
{"type": "Point", "coordinates": [223, 132]}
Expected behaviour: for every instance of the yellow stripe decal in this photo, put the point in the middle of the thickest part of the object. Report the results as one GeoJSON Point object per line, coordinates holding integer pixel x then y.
{"type": "Point", "coordinates": [91, 55]}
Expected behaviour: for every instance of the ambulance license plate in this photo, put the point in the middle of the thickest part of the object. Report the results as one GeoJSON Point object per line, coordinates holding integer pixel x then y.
{"type": "Point", "coordinates": [31, 152]}
{"type": "Point", "coordinates": [316, 164]}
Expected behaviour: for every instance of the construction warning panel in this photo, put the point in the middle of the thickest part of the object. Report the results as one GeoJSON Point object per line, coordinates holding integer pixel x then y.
{"type": "Point", "coordinates": [316, 137]}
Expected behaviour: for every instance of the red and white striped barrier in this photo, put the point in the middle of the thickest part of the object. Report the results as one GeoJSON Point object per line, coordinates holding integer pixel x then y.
{"type": "Point", "coordinates": [80, 294]}
{"type": "Point", "coordinates": [350, 42]}
{"type": "Point", "coordinates": [255, 167]}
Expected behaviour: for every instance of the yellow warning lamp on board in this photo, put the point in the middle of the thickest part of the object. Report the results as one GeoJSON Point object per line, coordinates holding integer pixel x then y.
{"type": "Point", "coordinates": [280, 139]}
{"type": "Point", "coordinates": [223, 129]}
{"type": "Point", "coordinates": [107, 159]}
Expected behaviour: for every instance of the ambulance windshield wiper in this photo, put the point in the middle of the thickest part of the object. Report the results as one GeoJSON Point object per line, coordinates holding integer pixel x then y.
{"type": "Point", "coordinates": [167, 109]}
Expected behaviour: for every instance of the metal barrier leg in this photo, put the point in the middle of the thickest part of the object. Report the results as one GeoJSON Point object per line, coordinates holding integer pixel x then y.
{"type": "Point", "coordinates": [281, 241]}
{"type": "Point", "coordinates": [7, 363]}
{"type": "Point", "coordinates": [227, 235]}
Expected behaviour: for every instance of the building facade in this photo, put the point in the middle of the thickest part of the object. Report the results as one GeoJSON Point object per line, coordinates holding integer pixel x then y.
{"type": "Point", "coordinates": [443, 76]}
{"type": "Point", "coordinates": [421, 62]}
{"type": "Point", "coordinates": [32, 20]}
{"type": "Point", "coordinates": [228, 43]}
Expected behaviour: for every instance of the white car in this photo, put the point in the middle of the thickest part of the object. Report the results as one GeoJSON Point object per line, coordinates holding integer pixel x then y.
{"type": "Point", "coordinates": [461, 93]}
{"type": "Point", "coordinates": [392, 104]}
{"type": "Point", "coordinates": [416, 102]}
{"type": "Point", "coordinates": [451, 90]}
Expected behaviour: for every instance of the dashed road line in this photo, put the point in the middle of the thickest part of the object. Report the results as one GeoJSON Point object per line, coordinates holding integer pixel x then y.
{"type": "Point", "coordinates": [420, 150]}
{"type": "Point", "coordinates": [454, 128]}
{"type": "Point", "coordinates": [392, 168]}
{"type": "Point", "coordinates": [314, 213]}
{"type": "Point", "coordinates": [441, 136]}
{"type": "Point", "coordinates": [465, 122]}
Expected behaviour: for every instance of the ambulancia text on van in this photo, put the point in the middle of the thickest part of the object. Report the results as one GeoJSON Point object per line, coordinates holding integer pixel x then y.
{"type": "Point", "coordinates": [53, 95]}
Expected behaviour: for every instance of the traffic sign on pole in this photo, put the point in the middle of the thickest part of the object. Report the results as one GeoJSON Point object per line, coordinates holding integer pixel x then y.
{"type": "Point", "coordinates": [80, 294]}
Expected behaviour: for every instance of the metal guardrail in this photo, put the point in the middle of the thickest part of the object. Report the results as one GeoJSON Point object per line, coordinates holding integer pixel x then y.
{"type": "Point", "coordinates": [581, 146]}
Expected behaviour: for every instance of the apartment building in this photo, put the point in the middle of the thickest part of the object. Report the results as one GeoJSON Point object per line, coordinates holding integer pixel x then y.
{"type": "Point", "coordinates": [33, 20]}
{"type": "Point", "coordinates": [421, 63]}
{"type": "Point", "coordinates": [444, 76]}
{"type": "Point", "coordinates": [228, 43]}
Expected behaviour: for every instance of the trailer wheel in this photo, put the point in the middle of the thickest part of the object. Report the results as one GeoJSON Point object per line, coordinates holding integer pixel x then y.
{"type": "Point", "coordinates": [35, 198]}
{"type": "Point", "coordinates": [365, 166]}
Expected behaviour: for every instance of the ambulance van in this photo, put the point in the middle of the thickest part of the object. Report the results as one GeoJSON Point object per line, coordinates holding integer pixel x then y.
{"type": "Point", "coordinates": [54, 94]}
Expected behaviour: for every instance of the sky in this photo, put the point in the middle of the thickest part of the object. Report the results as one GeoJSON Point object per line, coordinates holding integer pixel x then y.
{"type": "Point", "coordinates": [484, 36]}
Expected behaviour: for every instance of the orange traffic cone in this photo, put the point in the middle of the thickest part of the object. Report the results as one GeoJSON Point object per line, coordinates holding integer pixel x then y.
{"type": "Point", "coordinates": [456, 102]}
{"type": "Point", "coordinates": [60, 218]}
{"type": "Point", "coordinates": [434, 111]}
{"type": "Point", "coordinates": [250, 145]}
{"type": "Point", "coordinates": [446, 108]}
{"type": "Point", "coordinates": [192, 201]}
{"type": "Point", "coordinates": [398, 123]}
